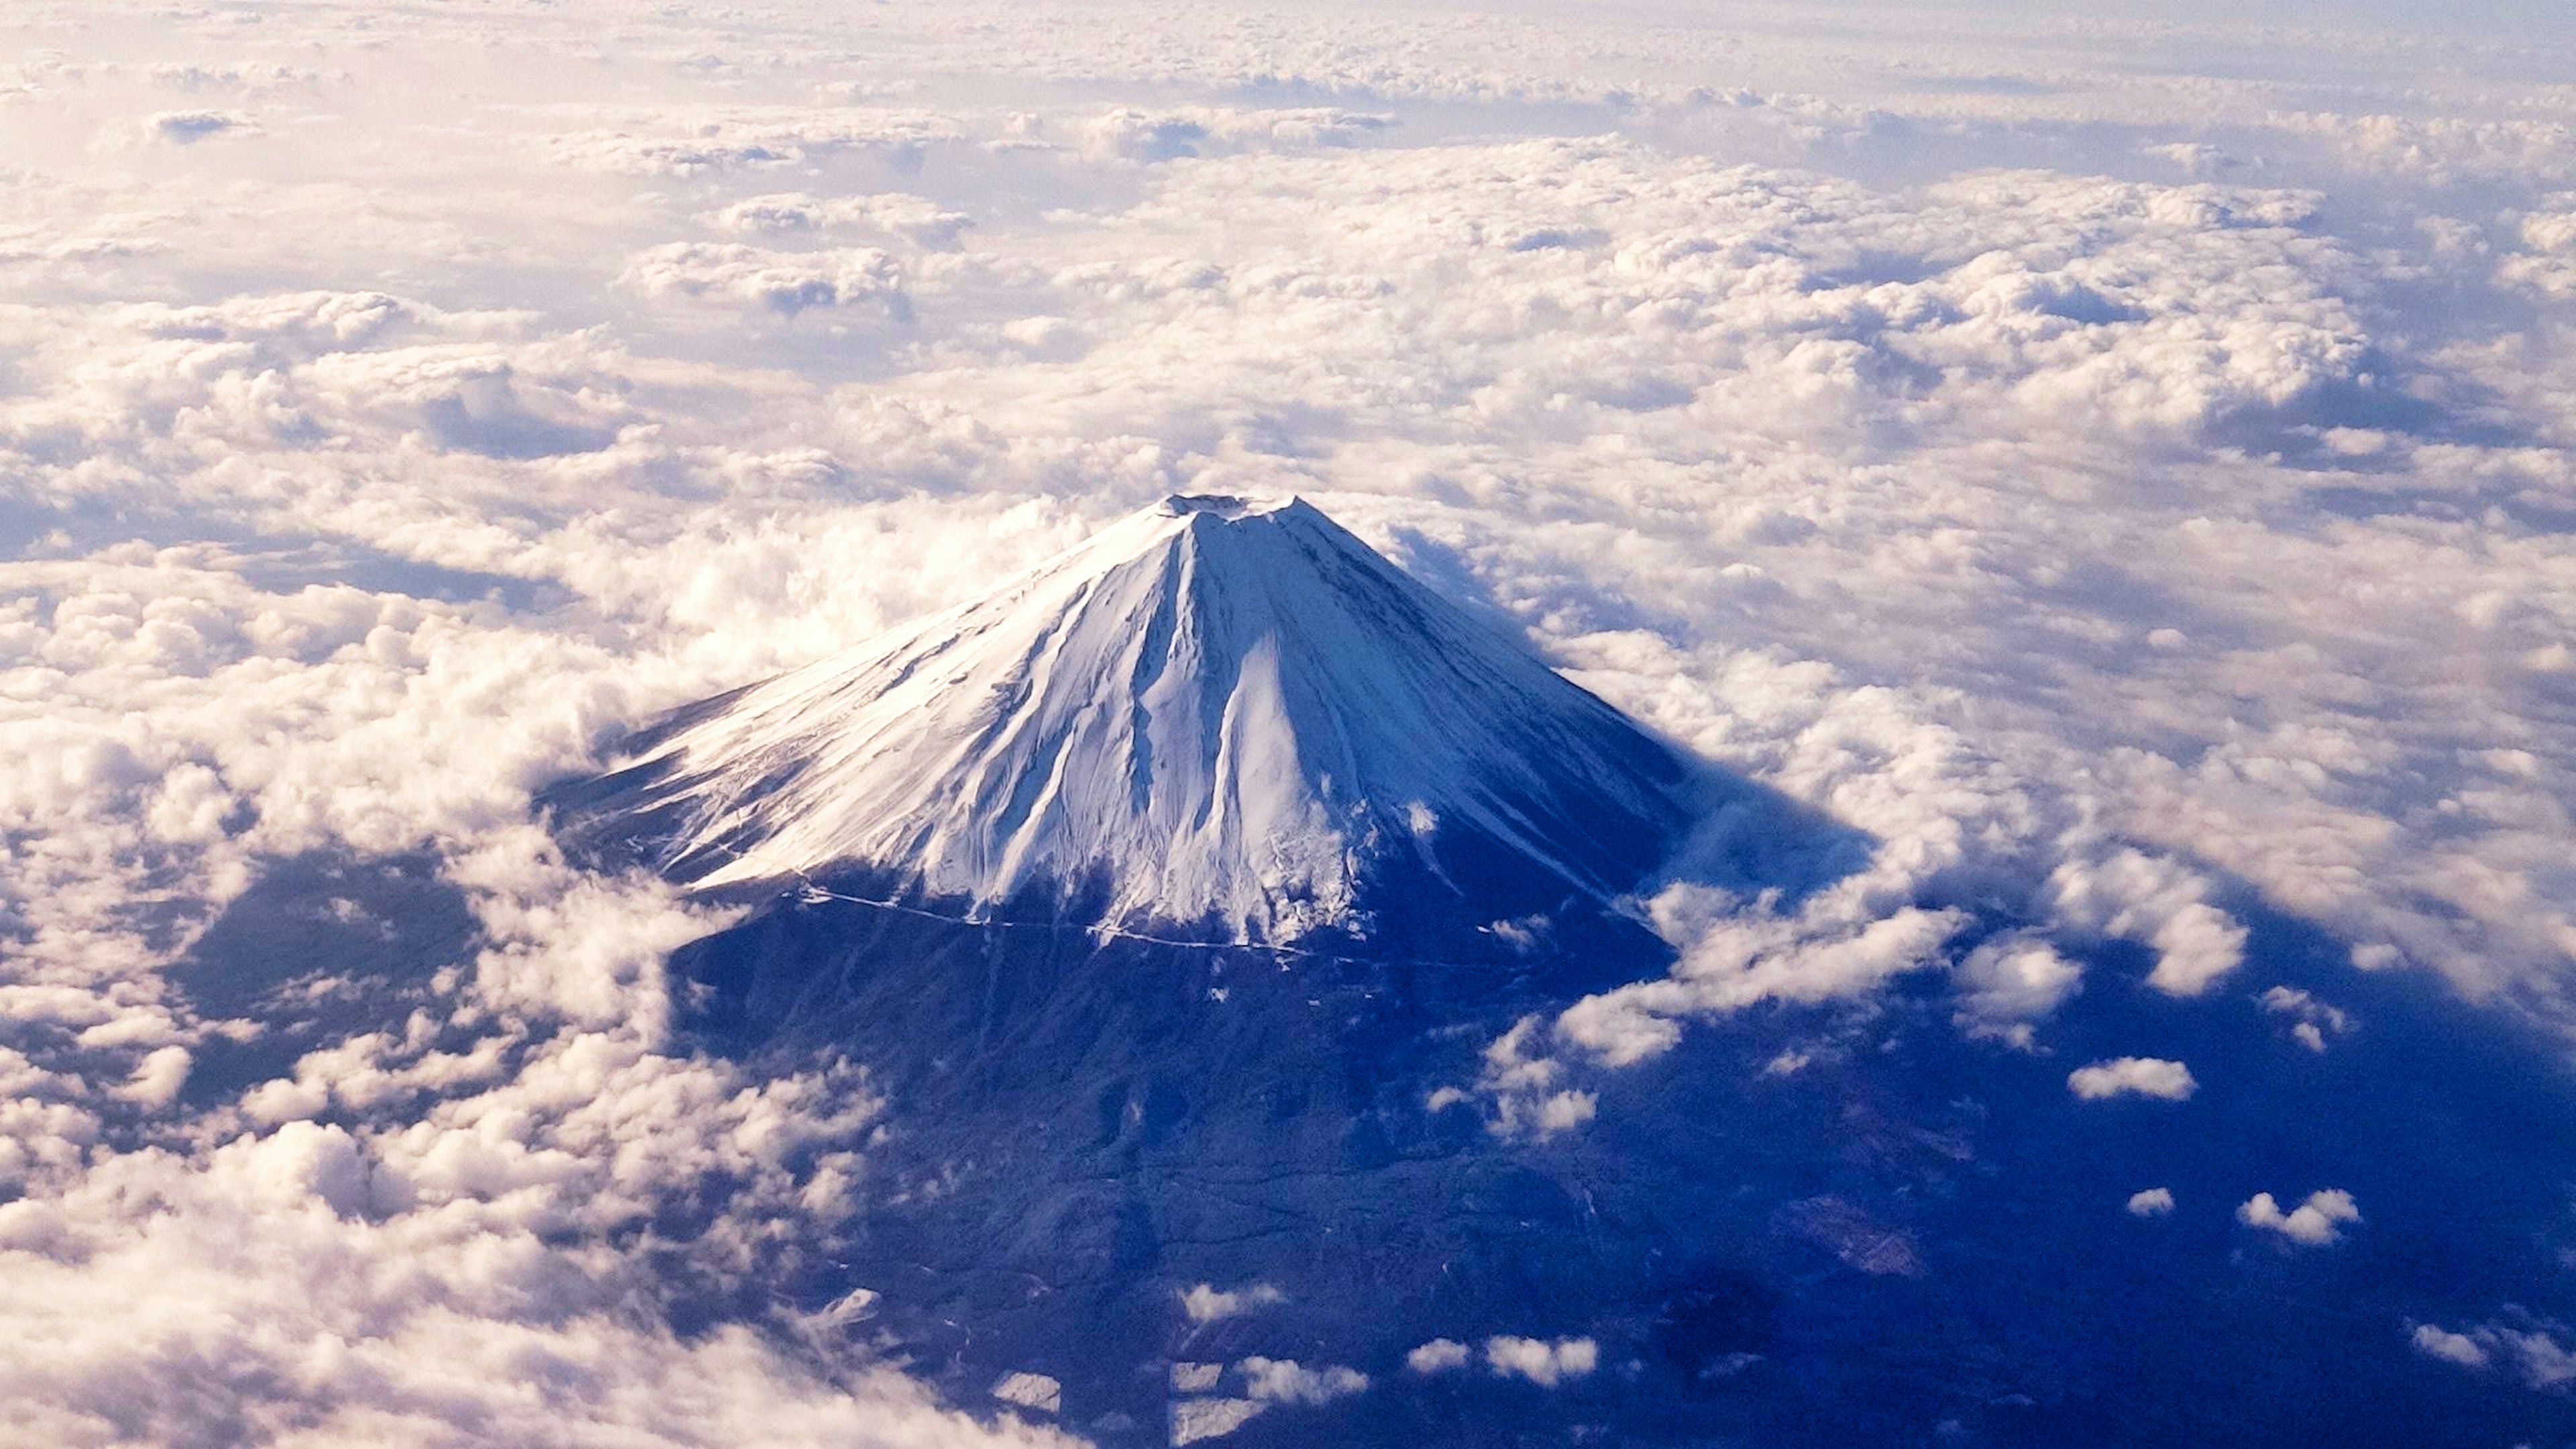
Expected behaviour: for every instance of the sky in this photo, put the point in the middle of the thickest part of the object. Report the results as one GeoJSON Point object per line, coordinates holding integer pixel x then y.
{"type": "Point", "coordinates": [2118, 461]}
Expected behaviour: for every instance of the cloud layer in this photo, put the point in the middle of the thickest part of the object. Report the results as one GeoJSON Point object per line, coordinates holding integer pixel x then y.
{"type": "Point", "coordinates": [2130, 492]}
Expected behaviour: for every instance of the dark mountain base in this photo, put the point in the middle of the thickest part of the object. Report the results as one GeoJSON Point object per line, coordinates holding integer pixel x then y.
{"type": "Point", "coordinates": [1911, 1239]}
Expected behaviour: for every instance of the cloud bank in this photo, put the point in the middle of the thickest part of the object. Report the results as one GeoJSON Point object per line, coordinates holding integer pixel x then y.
{"type": "Point", "coordinates": [2130, 493]}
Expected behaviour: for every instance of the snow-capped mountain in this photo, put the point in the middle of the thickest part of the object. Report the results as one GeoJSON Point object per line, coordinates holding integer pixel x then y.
{"type": "Point", "coordinates": [1192, 1184]}
{"type": "Point", "coordinates": [1220, 713]}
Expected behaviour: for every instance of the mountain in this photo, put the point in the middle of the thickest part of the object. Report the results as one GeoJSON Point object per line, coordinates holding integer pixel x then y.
{"type": "Point", "coordinates": [1174, 898]}
{"type": "Point", "coordinates": [1220, 714]}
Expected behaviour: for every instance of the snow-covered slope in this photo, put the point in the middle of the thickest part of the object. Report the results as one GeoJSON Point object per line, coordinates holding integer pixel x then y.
{"type": "Point", "coordinates": [1217, 712]}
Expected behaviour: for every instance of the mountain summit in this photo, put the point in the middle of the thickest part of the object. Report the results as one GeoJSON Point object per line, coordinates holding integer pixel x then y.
{"type": "Point", "coordinates": [1220, 713]}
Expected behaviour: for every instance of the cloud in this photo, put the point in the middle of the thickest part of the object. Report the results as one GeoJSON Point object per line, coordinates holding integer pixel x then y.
{"type": "Point", "coordinates": [1205, 1303]}
{"type": "Point", "coordinates": [665, 143]}
{"type": "Point", "coordinates": [915, 219]}
{"type": "Point", "coordinates": [1267, 1383]}
{"type": "Point", "coordinates": [786, 283]}
{"type": "Point", "coordinates": [1285, 1381]}
{"type": "Point", "coordinates": [2311, 1021]}
{"type": "Point", "coordinates": [2009, 983]}
{"type": "Point", "coordinates": [1438, 1356]}
{"type": "Point", "coordinates": [158, 1077]}
{"type": "Point", "coordinates": [2532, 1349]}
{"type": "Point", "coordinates": [2153, 1202]}
{"type": "Point", "coordinates": [2142, 1076]}
{"type": "Point", "coordinates": [300, 1253]}
{"type": "Point", "coordinates": [2451, 1348]}
{"type": "Point", "coordinates": [2446, 149]}
{"type": "Point", "coordinates": [2316, 1222]}
{"type": "Point", "coordinates": [1541, 1362]}
{"type": "Point", "coordinates": [2158, 902]}
{"type": "Point", "coordinates": [1732, 957]}
{"type": "Point", "coordinates": [2114, 539]}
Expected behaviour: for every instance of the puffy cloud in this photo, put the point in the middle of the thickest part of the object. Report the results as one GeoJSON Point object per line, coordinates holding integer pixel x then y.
{"type": "Point", "coordinates": [2153, 1202]}
{"type": "Point", "coordinates": [2316, 1222]}
{"type": "Point", "coordinates": [2009, 983]}
{"type": "Point", "coordinates": [2451, 1348]}
{"type": "Point", "coordinates": [2311, 1021]}
{"type": "Point", "coordinates": [1206, 1303]}
{"type": "Point", "coordinates": [2535, 1350]}
{"type": "Point", "coordinates": [786, 283]}
{"type": "Point", "coordinates": [1438, 1356]}
{"type": "Point", "coordinates": [1733, 957]}
{"type": "Point", "coordinates": [916, 219]}
{"type": "Point", "coordinates": [336, 1288]}
{"type": "Point", "coordinates": [2106, 544]}
{"type": "Point", "coordinates": [1540, 1361]}
{"type": "Point", "coordinates": [1285, 1381]}
{"type": "Point", "coordinates": [521, 1121]}
{"type": "Point", "coordinates": [158, 1077]}
{"type": "Point", "coordinates": [2143, 1076]}
{"type": "Point", "coordinates": [2546, 261]}
{"type": "Point", "coordinates": [2444, 149]}
{"type": "Point", "coordinates": [2157, 902]}
{"type": "Point", "coordinates": [1267, 1383]}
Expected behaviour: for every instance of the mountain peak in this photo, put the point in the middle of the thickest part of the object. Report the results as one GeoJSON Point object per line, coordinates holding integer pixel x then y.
{"type": "Point", "coordinates": [1224, 714]}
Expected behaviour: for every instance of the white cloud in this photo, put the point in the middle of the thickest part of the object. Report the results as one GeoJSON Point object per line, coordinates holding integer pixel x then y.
{"type": "Point", "coordinates": [334, 1286]}
{"type": "Point", "coordinates": [1286, 1381]}
{"type": "Point", "coordinates": [1733, 957]}
{"type": "Point", "coordinates": [2111, 544]}
{"type": "Point", "coordinates": [158, 1077]}
{"type": "Point", "coordinates": [2153, 1202]}
{"type": "Point", "coordinates": [2158, 902]}
{"type": "Point", "coordinates": [2316, 1222]}
{"type": "Point", "coordinates": [2010, 983]}
{"type": "Point", "coordinates": [2534, 1350]}
{"type": "Point", "coordinates": [2451, 1348]}
{"type": "Point", "coordinates": [2312, 1021]}
{"type": "Point", "coordinates": [1205, 1303]}
{"type": "Point", "coordinates": [2141, 1076]}
{"type": "Point", "coordinates": [1544, 1363]}
{"type": "Point", "coordinates": [914, 218]}
{"type": "Point", "coordinates": [786, 283]}
{"type": "Point", "coordinates": [1438, 1356]}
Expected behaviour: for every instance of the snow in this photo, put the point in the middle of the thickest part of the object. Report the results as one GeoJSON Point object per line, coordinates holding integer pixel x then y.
{"type": "Point", "coordinates": [1218, 711]}
{"type": "Point", "coordinates": [1030, 1390]}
